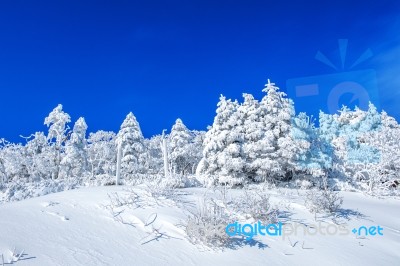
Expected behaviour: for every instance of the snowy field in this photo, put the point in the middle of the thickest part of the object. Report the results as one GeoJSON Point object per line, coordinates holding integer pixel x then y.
{"type": "Point", "coordinates": [78, 227]}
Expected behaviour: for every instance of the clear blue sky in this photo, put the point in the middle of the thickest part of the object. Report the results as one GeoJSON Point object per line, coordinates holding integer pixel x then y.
{"type": "Point", "coordinates": [169, 59]}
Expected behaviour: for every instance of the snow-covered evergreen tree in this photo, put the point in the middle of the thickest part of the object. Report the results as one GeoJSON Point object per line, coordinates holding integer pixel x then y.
{"type": "Point", "coordinates": [75, 160]}
{"type": "Point", "coordinates": [253, 128]}
{"type": "Point", "coordinates": [313, 153]}
{"type": "Point", "coordinates": [180, 144]}
{"type": "Point", "coordinates": [277, 160]}
{"type": "Point", "coordinates": [223, 155]}
{"type": "Point", "coordinates": [133, 150]}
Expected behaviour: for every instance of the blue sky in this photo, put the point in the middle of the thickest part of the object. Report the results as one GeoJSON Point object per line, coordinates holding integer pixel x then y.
{"type": "Point", "coordinates": [168, 59]}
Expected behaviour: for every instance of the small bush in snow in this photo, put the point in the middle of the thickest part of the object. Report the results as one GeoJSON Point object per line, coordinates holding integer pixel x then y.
{"type": "Point", "coordinates": [323, 201]}
{"type": "Point", "coordinates": [256, 204]}
{"type": "Point", "coordinates": [207, 226]}
{"type": "Point", "coordinates": [118, 203]}
{"type": "Point", "coordinates": [163, 189]}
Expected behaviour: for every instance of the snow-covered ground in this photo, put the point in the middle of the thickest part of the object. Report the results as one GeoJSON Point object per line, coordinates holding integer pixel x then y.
{"type": "Point", "coordinates": [75, 228]}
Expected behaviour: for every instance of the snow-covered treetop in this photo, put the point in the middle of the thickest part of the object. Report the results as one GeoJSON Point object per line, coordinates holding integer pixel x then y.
{"type": "Point", "coordinates": [276, 102]}
{"type": "Point", "coordinates": [56, 121]}
{"type": "Point", "coordinates": [130, 130]}
{"type": "Point", "coordinates": [388, 121]}
{"type": "Point", "coordinates": [130, 121]}
{"type": "Point", "coordinates": [80, 126]}
{"type": "Point", "coordinates": [179, 126]}
{"type": "Point", "coordinates": [79, 131]}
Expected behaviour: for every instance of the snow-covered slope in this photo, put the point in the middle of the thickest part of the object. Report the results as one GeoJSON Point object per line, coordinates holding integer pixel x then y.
{"type": "Point", "coordinates": [74, 228]}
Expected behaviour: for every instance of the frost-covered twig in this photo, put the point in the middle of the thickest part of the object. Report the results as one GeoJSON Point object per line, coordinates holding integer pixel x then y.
{"type": "Point", "coordinates": [20, 255]}
{"type": "Point", "coordinates": [292, 244]}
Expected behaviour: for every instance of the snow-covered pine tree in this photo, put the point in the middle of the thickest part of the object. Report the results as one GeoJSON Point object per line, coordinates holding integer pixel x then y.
{"type": "Point", "coordinates": [277, 159]}
{"type": "Point", "coordinates": [57, 122]}
{"type": "Point", "coordinates": [180, 144]}
{"type": "Point", "coordinates": [253, 128]}
{"type": "Point", "coordinates": [75, 161]}
{"type": "Point", "coordinates": [223, 160]}
{"type": "Point", "coordinates": [313, 153]}
{"type": "Point", "coordinates": [133, 151]}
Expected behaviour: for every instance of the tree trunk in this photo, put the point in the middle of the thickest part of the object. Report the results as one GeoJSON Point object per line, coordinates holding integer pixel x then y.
{"type": "Point", "coordinates": [118, 174]}
{"type": "Point", "coordinates": [164, 149]}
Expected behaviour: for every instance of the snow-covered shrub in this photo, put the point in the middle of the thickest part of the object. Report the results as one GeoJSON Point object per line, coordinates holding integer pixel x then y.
{"type": "Point", "coordinates": [207, 226]}
{"type": "Point", "coordinates": [161, 188]}
{"type": "Point", "coordinates": [100, 180]}
{"type": "Point", "coordinates": [118, 202]}
{"type": "Point", "coordinates": [323, 201]}
{"type": "Point", "coordinates": [179, 181]}
{"type": "Point", "coordinates": [255, 204]}
{"type": "Point", "coordinates": [303, 183]}
{"type": "Point", "coordinates": [15, 191]}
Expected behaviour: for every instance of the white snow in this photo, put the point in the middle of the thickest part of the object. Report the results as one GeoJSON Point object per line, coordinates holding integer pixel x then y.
{"type": "Point", "coordinates": [74, 228]}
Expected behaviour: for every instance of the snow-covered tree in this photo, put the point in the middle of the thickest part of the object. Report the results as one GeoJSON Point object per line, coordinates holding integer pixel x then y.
{"type": "Point", "coordinates": [223, 154]}
{"type": "Point", "coordinates": [133, 153]}
{"type": "Point", "coordinates": [253, 128]}
{"type": "Point", "coordinates": [349, 133]}
{"type": "Point", "coordinates": [102, 153]}
{"type": "Point", "coordinates": [313, 153]}
{"type": "Point", "coordinates": [3, 172]}
{"type": "Point", "coordinates": [277, 159]}
{"type": "Point", "coordinates": [41, 157]}
{"type": "Point", "coordinates": [75, 160]}
{"type": "Point", "coordinates": [197, 147]}
{"type": "Point", "coordinates": [57, 121]}
{"type": "Point", "coordinates": [377, 165]}
{"type": "Point", "coordinates": [155, 156]}
{"type": "Point", "coordinates": [14, 162]}
{"type": "Point", "coordinates": [180, 144]}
